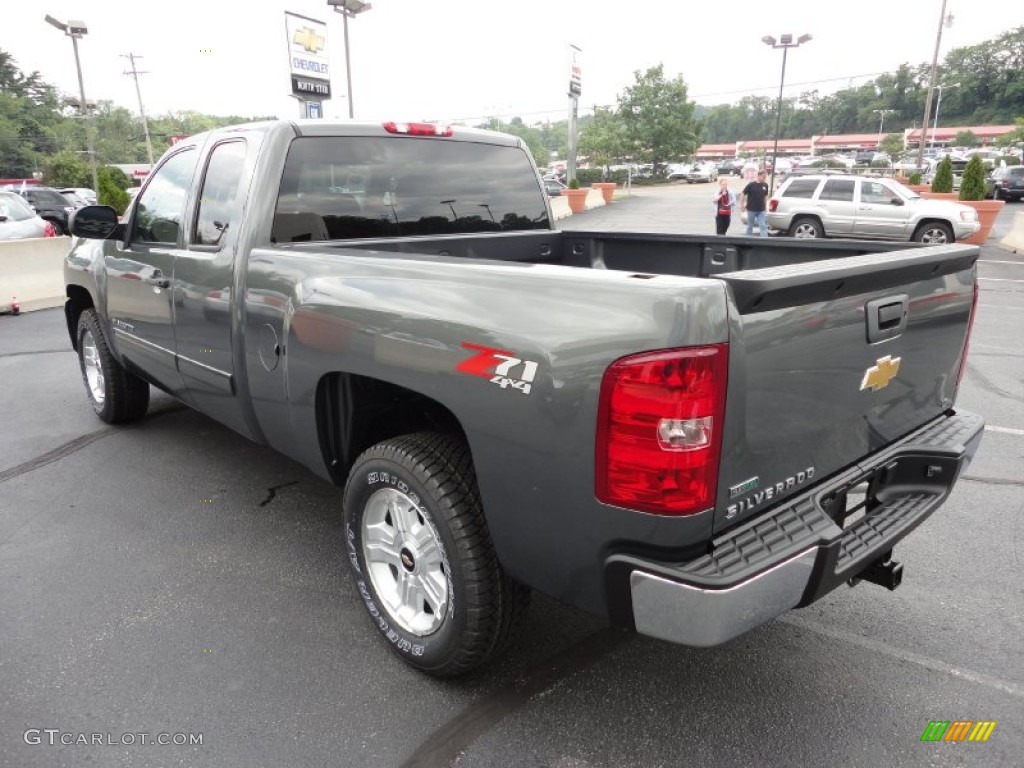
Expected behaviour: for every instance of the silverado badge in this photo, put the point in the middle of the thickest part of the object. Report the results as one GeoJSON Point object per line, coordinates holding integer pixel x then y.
{"type": "Point", "coordinates": [880, 374]}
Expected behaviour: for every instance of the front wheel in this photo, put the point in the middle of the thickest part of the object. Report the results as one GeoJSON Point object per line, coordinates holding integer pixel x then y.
{"type": "Point", "coordinates": [422, 558]}
{"type": "Point", "coordinates": [115, 394]}
{"type": "Point", "coordinates": [934, 233]}
{"type": "Point", "coordinates": [805, 229]}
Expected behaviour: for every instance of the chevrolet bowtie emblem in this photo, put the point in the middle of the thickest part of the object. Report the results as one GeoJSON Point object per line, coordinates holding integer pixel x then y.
{"type": "Point", "coordinates": [308, 39]}
{"type": "Point", "coordinates": [880, 374]}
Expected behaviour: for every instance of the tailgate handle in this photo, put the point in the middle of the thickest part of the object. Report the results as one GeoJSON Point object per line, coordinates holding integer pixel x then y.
{"type": "Point", "coordinates": [886, 318]}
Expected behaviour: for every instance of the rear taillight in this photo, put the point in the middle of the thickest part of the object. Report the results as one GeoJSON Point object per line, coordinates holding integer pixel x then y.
{"type": "Point", "coordinates": [773, 204]}
{"type": "Point", "coordinates": [48, 230]}
{"type": "Point", "coordinates": [967, 338]}
{"type": "Point", "coordinates": [659, 430]}
{"type": "Point", "coordinates": [419, 129]}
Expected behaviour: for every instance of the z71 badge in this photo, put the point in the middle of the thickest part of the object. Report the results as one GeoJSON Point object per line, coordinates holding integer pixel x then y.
{"type": "Point", "coordinates": [499, 366]}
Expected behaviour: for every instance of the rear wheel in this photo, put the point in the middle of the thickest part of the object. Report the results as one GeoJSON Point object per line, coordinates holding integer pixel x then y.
{"type": "Point", "coordinates": [422, 558]}
{"type": "Point", "coordinates": [934, 232]}
{"type": "Point", "coordinates": [806, 228]}
{"type": "Point", "coordinates": [115, 394]}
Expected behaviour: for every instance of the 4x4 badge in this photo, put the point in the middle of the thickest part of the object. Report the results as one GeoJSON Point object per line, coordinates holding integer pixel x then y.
{"type": "Point", "coordinates": [881, 373]}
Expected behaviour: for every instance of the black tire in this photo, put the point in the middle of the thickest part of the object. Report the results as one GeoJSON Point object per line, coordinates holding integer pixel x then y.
{"type": "Point", "coordinates": [432, 476]}
{"type": "Point", "coordinates": [934, 232]}
{"type": "Point", "coordinates": [116, 395]}
{"type": "Point", "coordinates": [806, 227]}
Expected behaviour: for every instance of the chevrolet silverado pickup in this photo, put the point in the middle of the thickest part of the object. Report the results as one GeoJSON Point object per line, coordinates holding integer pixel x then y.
{"type": "Point", "coordinates": [684, 434]}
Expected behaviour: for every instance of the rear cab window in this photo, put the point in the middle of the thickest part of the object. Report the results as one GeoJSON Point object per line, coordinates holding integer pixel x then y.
{"type": "Point", "coordinates": [351, 187]}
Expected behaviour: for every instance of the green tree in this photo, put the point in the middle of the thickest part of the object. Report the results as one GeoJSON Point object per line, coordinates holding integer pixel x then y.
{"type": "Point", "coordinates": [972, 186]}
{"type": "Point", "coordinates": [66, 169]}
{"type": "Point", "coordinates": [943, 181]}
{"type": "Point", "coordinates": [966, 139]}
{"type": "Point", "coordinates": [112, 183]}
{"type": "Point", "coordinates": [892, 145]}
{"type": "Point", "coordinates": [1016, 136]}
{"type": "Point", "coordinates": [603, 138]}
{"type": "Point", "coordinates": [658, 117]}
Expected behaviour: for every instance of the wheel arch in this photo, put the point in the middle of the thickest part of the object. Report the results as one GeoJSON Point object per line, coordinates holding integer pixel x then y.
{"type": "Point", "coordinates": [798, 217]}
{"type": "Point", "coordinates": [78, 300]}
{"type": "Point", "coordinates": [354, 412]}
{"type": "Point", "coordinates": [932, 220]}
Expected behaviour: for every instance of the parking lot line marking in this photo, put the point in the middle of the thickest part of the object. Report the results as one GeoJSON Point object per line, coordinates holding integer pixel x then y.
{"type": "Point", "coordinates": [999, 280]}
{"type": "Point", "coordinates": [876, 646]}
{"type": "Point", "coordinates": [993, 261]}
{"type": "Point", "coordinates": [1004, 430]}
{"type": "Point", "coordinates": [998, 306]}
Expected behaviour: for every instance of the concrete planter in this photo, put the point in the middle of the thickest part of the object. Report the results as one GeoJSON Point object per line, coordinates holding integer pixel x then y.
{"type": "Point", "coordinates": [607, 189]}
{"type": "Point", "coordinates": [577, 199]}
{"type": "Point", "coordinates": [988, 211]}
{"type": "Point", "coordinates": [954, 196]}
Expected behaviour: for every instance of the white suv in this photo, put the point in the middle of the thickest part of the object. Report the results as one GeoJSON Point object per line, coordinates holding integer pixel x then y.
{"type": "Point", "coordinates": [866, 208]}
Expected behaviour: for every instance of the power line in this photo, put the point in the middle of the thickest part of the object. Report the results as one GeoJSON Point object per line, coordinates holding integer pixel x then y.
{"type": "Point", "coordinates": [561, 110]}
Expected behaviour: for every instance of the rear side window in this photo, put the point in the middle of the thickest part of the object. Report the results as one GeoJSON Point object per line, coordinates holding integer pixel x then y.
{"type": "Point", "coordinates": [801, 188]}
{"type": "Point", "coordinates": [337, 187]}
{"type": "Point", "coordinates": [1016, 172]}
{"type": "Point", "coordinates": [837, 189]}
{"type": "Point", "coordinates": [46, 197]}
{"type": "Point", "coordinates": [220, 201]}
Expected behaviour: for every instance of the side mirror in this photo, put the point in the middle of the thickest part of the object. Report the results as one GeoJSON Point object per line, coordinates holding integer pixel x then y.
{"type": "Point", "coordinates": [897, 201]}
{"type": "Point", "coordinates": [95, 222]}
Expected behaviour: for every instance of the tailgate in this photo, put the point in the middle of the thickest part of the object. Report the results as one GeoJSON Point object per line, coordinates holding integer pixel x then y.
{"type": "Point", "coordinates": [829, 361]}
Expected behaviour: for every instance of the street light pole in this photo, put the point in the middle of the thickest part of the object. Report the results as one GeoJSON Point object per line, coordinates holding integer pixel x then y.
{"type": "Point", "coordinates": [938, 106]}
{"type": "Point", "coordinates": [348, 8]}
{"type": "Point", "coordinates": [142, 111]}
{"type": "Point", "coordinates": [785, 42]}
{"type": "Point", "coordinates": [75, 30]}
{"type": "Point", "coordinates": [881, 123]}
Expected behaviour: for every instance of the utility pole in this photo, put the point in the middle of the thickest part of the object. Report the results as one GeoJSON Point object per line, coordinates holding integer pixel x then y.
{"type": "Point", "coordinates": [142, 111]}
{"type": "Point", "coordinates": [943, 21]}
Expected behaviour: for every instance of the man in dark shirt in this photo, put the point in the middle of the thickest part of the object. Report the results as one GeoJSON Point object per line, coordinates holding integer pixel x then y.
{"type": "Point", "coordinates": [755, 197]}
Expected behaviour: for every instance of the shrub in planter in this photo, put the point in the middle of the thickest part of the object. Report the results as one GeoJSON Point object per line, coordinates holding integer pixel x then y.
{"type": "Point", "coordinates": [574, 184]}
{"type": "Point", "coordinates": [972, 186]}
{"type": "Point", "coordinates": [914, 178]}
{"type": "Point", "coordinates": [943, 181]}
{"type": "Point", "coordinates": [589, 175]}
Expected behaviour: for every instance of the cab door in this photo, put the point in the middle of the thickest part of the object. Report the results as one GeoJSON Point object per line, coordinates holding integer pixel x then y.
{"type": "Point", "coordinates": [204, 283]}
{"type": "Point", "coordinates": [881, 212]}
{"type": "Point", "coordinates": [139, 271]}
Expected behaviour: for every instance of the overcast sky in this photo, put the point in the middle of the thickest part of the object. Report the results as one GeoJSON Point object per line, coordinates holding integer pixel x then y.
{"type": "Point", "coordinates": [470, 59]}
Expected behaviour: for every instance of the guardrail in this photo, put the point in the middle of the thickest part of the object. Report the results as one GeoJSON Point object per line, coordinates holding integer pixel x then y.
{"type": "Point", "coordinates": [32, 272]}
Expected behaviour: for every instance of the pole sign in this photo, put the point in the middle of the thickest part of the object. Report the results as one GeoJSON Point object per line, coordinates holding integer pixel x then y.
{"type": "Point", "coordinates": [575, 74]}
{"type": "Point", "coordinates": [307, 57]}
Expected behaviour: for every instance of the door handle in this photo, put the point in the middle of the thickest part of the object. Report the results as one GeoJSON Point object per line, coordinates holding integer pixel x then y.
{"type": "Point", "coordinates": [157, 279]}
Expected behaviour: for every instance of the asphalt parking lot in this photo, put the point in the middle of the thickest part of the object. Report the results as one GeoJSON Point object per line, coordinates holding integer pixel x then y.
{"type": "Point", "coordinates": [172, 578]}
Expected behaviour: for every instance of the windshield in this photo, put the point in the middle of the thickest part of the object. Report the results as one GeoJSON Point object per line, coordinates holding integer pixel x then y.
{"type": "Point", "coordinates": [337, 188]}
{"type": "Point", "coordinates": [901, 190]}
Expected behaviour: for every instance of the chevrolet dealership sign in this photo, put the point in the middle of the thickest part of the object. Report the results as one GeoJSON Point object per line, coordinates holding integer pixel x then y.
{"type": "Point", "coordinates": [307, 57]}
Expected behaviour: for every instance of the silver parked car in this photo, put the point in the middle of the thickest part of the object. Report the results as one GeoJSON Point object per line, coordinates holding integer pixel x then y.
{"type": "Point", "coordinates": [18, 220]}
{"type": "Point", "coordinates": [864, 208]}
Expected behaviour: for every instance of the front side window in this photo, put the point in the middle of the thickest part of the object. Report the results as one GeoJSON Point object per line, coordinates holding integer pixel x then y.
{"type": "Point", "coordinates": [46, 198]}
{"type": "Point", "coordinates": [220, 201]}
{"type": "Point", "coordinates": [339, 187]}
{"type": "Point", "coordinates": [873, 192]}
{"type": "Point", "coordinates": [838, 189]}
{"type": "Point", "coordinates": [160, 208]}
